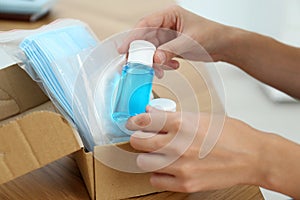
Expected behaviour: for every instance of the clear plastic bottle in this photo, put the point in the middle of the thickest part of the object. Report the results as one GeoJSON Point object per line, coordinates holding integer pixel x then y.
{"type": "Point", "coordinates": [135, 86]}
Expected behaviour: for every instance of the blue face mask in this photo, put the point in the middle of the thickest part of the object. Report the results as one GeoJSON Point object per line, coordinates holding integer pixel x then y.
{"type": "Point", "coordinates": [56, 57]}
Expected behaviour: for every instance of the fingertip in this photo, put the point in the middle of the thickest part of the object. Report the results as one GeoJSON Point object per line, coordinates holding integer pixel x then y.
{"type": "Point", "coordinates": [134, 141]}
{"type": "Point", "coordinates": [148, 109]}
{"type": "Point", "coordinates": [140, 160]}
{"type": "Point", "coordinates": [133, 123]}
{"type": "Point", "coordinates": [160, 57]}
{"type": "Point", "coordinates": [122, 49]}
{"type": "Point", "coordinates": [138, 122]}
{"type": "Point", "coordinates": [174, 64]}
{"type": "Point", "coordinates": [129, 124]}
{"type": "Point", "coordinates": [154, 178]}
{"type": "Point", "coordinates": [159, 73]}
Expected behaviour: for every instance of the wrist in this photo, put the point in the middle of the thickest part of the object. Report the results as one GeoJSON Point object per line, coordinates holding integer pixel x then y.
{"type": "Point", "coordinates": [260, 159]}
{"type": "Point", "coordinates": [268, 145]}
{"type": "Point", "coordinates": [279, 167]}
{"type": "Point", "coordinates": [268, 155]}
{"type": "Point", "coordinates": [256, 167]}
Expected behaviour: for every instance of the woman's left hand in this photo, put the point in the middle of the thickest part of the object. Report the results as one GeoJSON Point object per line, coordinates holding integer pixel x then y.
{"type": "Point", "coordinates": [172, 141]}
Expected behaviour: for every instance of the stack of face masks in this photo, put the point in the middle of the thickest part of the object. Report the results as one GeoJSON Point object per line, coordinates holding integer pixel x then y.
{"type": "Point", "coordinates": [56, 57]}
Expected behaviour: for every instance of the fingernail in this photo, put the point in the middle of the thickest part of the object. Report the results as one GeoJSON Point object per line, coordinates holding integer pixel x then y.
{"type": "Point", "coordinates": [138, 122]}
{"type": "Point", "coordinates": [174, 64]}
{"type": "Point", "coordinates": [141, 160]}
{"type": "Point", "coordinates": [129, 124]}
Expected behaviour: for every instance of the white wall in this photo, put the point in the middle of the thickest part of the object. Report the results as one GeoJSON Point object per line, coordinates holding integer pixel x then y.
{"type": "Point", "coordinates": [276, 18]}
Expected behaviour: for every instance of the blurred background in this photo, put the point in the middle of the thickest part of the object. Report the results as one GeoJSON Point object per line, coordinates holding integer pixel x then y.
{"type": "Point", "coordinates": [246, 98]}
{"type": "Point", "coordinates": [276, 18]}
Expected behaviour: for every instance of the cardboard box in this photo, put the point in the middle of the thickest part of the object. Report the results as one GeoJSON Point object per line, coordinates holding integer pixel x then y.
{"type": "Point", "coordinates": [18, 92]}
{"type": "Point", "coordinates": [33, 134]}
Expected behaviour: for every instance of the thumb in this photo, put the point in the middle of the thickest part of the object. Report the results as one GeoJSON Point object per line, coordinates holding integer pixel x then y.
{"type": "Point", "coordinates": [150, 122]}
{"type": "Point", "coordinates": [171, 49]}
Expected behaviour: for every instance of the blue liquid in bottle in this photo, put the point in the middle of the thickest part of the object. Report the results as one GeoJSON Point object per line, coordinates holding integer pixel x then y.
{"type": "Point", "coordinates": [135, 86]}
{"type": "Point", "coordinates": [134, 91]}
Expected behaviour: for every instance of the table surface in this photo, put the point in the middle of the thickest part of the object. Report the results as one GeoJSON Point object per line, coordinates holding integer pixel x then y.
{"type": "Point", "coordinates": [61, 179]}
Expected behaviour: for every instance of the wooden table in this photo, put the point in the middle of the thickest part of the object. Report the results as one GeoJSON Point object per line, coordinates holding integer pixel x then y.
{"type": "Point", "coordinates": [61, 179]}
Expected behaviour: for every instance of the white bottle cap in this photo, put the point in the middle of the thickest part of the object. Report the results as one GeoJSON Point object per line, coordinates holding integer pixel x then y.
{"type": "Point", "coordinates": [141, 51]}
{"type": "Point", "coordinates": [163, 104]}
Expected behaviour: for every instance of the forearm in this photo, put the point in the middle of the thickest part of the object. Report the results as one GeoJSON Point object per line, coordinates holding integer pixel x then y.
{"type": "Point", "coordinates": [265, 59]}
{"type": "Point", "coordinates": [280, 165]}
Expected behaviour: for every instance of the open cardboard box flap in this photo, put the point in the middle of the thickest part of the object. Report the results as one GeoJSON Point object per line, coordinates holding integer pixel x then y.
{"type": "Point", "coordinates": [32, 141]}
{"type": "Point", "coordinates": [39, 135]}
{"type": "Point", "coordinates": [18, 92]}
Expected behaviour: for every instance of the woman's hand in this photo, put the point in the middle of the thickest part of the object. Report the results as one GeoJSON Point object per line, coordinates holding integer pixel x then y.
{"type": "Point", "coordinates": [196, 38]}
{"type": "Point", "coordinates": [172, 143]}
{"type": "Point", "coordinates": [242, 155]}
{"type": "Point", "coordinates": [193, 37]}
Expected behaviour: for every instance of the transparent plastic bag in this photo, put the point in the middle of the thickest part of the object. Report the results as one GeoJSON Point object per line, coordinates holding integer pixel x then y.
{"type": "Point", "coordinates": [52, 55]}
{"type": "Point", "coordinates": [83, 83]}
{"type": "Point", "coordinates": [96, 85]}
{"type": "Point", "coordinates": [97, 81]}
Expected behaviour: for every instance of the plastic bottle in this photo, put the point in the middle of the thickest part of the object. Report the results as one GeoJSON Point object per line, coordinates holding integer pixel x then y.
{"type": "Point", "coordinates": [163, 104]}
{"type": "Point", "coordinates": [135, 86]}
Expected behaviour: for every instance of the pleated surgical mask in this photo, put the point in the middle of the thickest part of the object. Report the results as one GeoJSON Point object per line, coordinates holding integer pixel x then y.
{"type": "Point", "coordinates": [56, 57]}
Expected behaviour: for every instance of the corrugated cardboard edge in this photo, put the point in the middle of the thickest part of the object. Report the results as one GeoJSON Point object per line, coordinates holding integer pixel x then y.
{"type": "Point", "coordinates": [85, 163]}
{"type": "Point", "coordinates": [27, 143]}
{"type": "Point", "coordinates": [114, 184]}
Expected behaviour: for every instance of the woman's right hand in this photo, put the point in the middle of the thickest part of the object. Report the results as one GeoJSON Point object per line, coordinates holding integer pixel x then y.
{"type": "Point", "coordinates": [178, 32]}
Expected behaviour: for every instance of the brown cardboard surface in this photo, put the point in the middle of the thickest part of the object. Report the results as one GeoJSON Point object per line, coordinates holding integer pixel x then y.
{"type": "Point", "coordinates": [33, 141]}
{"type": "Point", "coordinates": [114, 184]}
{"type": "Point", "coordinates": [85, 162]}
{"type": "Point", "coordinates": [48, 106]}
{"type": "Point", "coordinates": [18, 92]}
{"type": "Point", "coordinates": [104, 182]}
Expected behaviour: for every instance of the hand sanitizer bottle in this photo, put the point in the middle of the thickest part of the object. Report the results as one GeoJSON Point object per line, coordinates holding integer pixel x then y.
{"type": "Point", "coordinates": [135, 86]}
